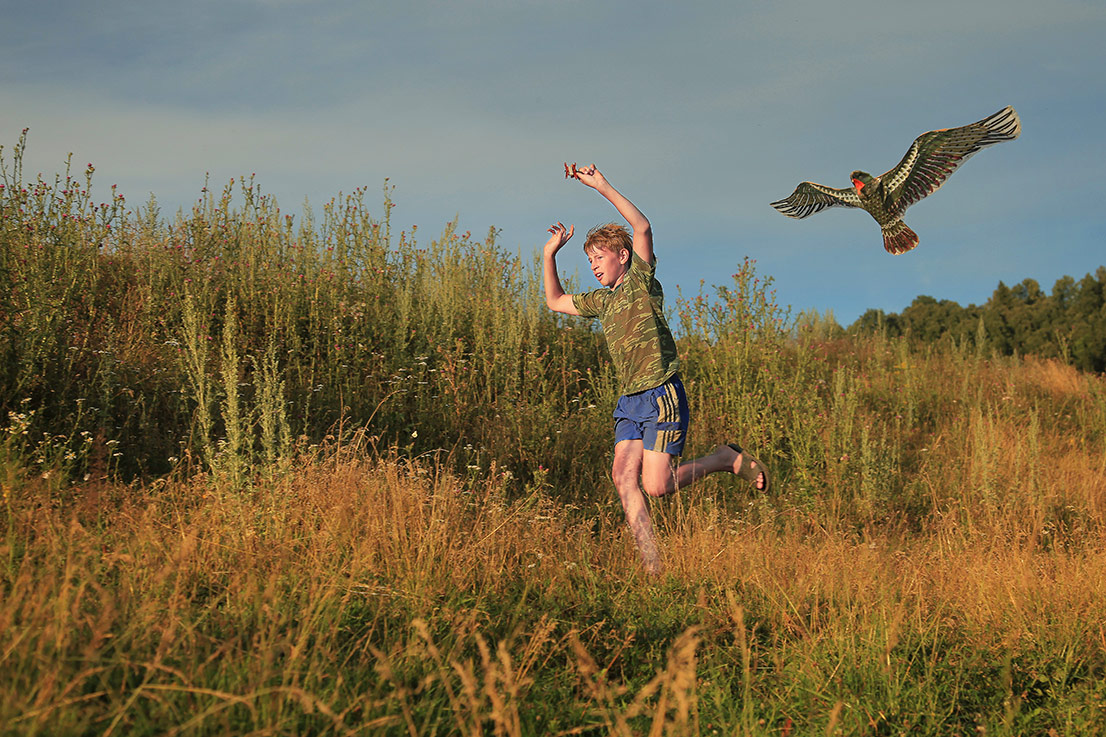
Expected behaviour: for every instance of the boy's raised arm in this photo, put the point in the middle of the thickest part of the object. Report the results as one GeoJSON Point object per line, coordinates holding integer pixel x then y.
{"type": "Point", "coordinates": [639, 224]}
{"type": "Point", "coordinates": [555, 297]}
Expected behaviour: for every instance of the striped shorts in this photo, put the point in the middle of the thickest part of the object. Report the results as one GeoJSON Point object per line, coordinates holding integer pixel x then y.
{"type": "Point", "coordinates": [658, 417]}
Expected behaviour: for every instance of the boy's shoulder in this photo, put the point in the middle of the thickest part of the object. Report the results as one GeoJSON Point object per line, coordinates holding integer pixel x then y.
{"type": "Point", "coordinates": [639, 262]}
{"type": "Point", "coordinates": [644, 273]}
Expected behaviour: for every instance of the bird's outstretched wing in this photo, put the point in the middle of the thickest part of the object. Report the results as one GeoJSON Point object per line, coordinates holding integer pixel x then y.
{"type": "Point", "coordinates": [809, 198]}
{"type": "Point", "coordinates": [935, 155]}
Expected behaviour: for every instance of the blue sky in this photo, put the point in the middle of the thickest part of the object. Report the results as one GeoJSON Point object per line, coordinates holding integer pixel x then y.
{"type": "Point", "coordinates": [701, 112]}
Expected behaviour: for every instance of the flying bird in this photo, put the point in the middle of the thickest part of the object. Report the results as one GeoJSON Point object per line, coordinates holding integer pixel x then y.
{"type": "Point", "coordinates": [931, 159]}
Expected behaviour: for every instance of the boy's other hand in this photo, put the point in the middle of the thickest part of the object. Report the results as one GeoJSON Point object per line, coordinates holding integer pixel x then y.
{"type": "Point", "coordinates": [588, 175]}
{"type": "Point", "coordinates": [559, 237]}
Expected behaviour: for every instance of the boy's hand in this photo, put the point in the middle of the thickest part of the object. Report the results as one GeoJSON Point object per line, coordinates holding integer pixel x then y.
{"type": "Point", "coordinates": [639, 224]}
{"type": "Point", "coordinates": [560, 236]}
{"type": "Point", "coordinates": [588, 175]}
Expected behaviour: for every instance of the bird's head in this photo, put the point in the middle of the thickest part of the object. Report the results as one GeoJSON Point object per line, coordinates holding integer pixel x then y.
{"type": "Point", "coordinates": [861, 179]}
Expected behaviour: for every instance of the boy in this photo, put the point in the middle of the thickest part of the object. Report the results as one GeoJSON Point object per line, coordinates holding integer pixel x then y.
{"type": "Point", "coordinates": [651, 417]}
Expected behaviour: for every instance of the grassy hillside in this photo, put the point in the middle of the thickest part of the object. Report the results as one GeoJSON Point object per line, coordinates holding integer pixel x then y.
{"type": "Point", "coordinates": [263, 476]}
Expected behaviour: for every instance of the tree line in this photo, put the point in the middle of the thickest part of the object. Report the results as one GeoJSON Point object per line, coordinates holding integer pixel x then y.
{"type": "Point", "coordinates": [1069, 324]}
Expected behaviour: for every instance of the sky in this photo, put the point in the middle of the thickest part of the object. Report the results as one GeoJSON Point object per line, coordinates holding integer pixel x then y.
{"type": "Point", "coordinates": [701, 113]}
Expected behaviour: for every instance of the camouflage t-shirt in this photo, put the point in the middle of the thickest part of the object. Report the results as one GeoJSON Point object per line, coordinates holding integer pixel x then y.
{"type": "Point", "coordinates": [632, 316]}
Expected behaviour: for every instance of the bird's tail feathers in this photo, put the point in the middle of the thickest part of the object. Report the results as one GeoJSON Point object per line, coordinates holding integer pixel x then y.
{"type": "Point", "coordinates": [898, 238]}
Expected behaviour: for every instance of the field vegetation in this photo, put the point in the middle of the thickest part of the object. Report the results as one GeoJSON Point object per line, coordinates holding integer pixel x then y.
{"type": "Point", "coordinates": [276, 475]}
{"type": "Point", "coordinates": [1069, 324]}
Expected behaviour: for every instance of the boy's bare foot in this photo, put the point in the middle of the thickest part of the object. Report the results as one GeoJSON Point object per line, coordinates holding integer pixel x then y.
{"type": "Point", "coordinates": [647, 548]}
{"type": "Point", "coordinates": [749, 468]}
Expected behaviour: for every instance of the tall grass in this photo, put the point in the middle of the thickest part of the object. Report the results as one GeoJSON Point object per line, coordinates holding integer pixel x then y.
{"type": "Point", "coordinates": [263, 476]}
{"type": "Point", "coordinates": [392, 596]}
{"type": "Point", "coordinates": [230, 334]}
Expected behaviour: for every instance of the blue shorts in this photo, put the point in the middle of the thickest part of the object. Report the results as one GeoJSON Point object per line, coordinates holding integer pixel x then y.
{"type": "Point", "coordinates": [658, 417]}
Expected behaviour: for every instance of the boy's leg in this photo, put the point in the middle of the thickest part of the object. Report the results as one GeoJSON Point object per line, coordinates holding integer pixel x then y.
{"type": "Point", "coordinates": [625, 473]}
{"type": "Point", "coordinates": [658, 478]}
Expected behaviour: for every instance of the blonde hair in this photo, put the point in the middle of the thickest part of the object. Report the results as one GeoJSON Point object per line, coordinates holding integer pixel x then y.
{"type": "Point", "coordinates": [610, 237]}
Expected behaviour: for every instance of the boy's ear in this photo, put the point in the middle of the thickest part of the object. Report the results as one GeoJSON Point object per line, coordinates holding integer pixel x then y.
{"type": "Point", "coordinates": [623, 255]}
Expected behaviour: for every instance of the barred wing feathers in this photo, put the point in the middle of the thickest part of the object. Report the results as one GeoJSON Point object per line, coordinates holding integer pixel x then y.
{"type": "Point", "coordinates": [809, 198]}
{"type": "Point", "coordinates": [935, 155]}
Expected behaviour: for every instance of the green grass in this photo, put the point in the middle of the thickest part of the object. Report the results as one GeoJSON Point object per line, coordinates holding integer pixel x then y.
{"type": "Point", "coordinates": [272, 477]}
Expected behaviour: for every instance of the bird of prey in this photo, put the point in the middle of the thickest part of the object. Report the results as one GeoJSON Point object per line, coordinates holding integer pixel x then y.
{"type": "Point", "coordinates": [931, 159]}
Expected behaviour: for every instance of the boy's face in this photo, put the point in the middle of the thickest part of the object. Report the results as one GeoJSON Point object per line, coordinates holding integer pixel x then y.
{"type": "Point", "coordinates": [609, 266]}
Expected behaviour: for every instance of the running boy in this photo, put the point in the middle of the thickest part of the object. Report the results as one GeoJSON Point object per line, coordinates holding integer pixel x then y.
{"type": "Point", "coordinates": [651, 417]}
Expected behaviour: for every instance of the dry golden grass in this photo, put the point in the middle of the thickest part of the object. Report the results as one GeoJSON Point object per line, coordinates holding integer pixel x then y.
{"type": "Point", "coordinates": [1061, 379]}
{"type": "Point", "coordinates": [934, 563]}
{"type": "Point", "coordinates": [361, 595]}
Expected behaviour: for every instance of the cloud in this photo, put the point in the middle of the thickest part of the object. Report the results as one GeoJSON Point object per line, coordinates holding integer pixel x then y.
{"type": "Point", "coordinates": [703, 111]}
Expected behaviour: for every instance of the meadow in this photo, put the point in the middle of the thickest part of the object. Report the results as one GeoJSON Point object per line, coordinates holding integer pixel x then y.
{"type": "Point", "coordinates": [267, 474]}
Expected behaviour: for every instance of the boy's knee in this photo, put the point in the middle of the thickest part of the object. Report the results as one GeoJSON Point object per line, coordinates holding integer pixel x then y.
{"type": "Point", "coordinates": [656, 486]}
{"type": "Point", "coordinates": [622, 476]}
{"type": "Point", "coordinates": [657, 476]}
